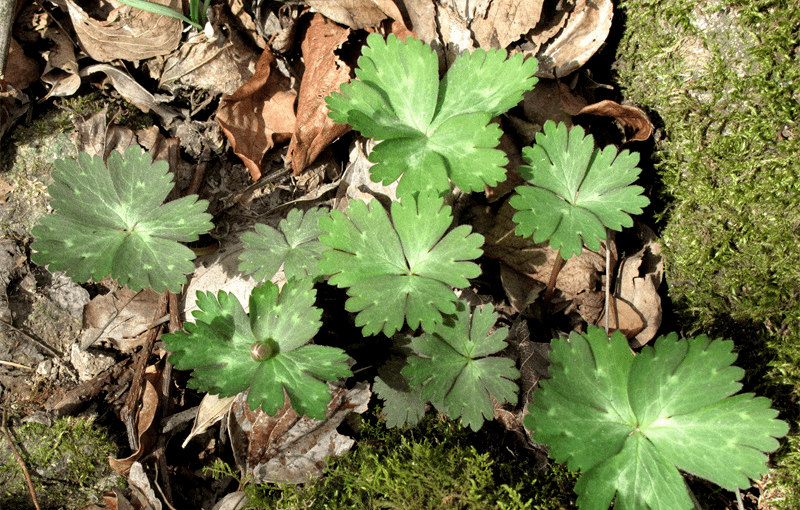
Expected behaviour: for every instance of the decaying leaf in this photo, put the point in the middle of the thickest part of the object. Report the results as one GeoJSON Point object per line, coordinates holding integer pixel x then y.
{"type": "Point", "coordinates": [132, 91]}
{"type": "Point", "coordinates": [286, 448]}
{"type": "Point", "coordinates": [640, 278]}
{"type": "Point", "coordinates": [61, 69]}
{"type": "Point", "coordinates": [119, 317]}
{"type": "Point", "coordinates": [220, 67]}
{"type": "Point", "coordinates": [357, 13]}
{"type": "Point", "coordinates": [324, 73]}
{"type": "Point", "coordinates": [21, 70]}
{"type": "Point", "coordinates": [128, 33]}
{"type": "Point", "coordinates": [505, 21]}
{"type": "Point", "coordinates": [633, 120]}
{"type": "Point", "coordinates": [211, 410]}
{"type": "Point", "coordinates": [146, 422]}
{"type": "Point", "coordinates": [259, 114]}
{"type": "Point", "coordinates": [624, 318]}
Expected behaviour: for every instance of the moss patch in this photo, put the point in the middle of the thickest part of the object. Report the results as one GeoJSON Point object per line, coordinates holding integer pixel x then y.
{"type": "Point", "coordinates": [68, 465]}
{"type": "Point", "coordinates": [723, 82]}
{"type": "Point", "coordinates": [435, 465]}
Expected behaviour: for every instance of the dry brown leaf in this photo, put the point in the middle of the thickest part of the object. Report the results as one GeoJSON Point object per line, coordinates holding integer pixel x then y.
{"type": "Point", "coordinates": [96, 137]}
{"type": "Point", "coordinates": [551, 100]}
{"type": "Point", "coordinates": [624, 317]}
{"type": "Point", "coordinates": [119, 317]}
{"type": "Point", "coordinates": [513, 179]}
{"type": "Point", "coordinates": [128, 33]}
{"type": "Point", "coordinates": [521, 290]}
{"type": "Point", "coordinates": [640, 278]}
{"type": "Point", "coordinates": [633, 120]}
{"type": "Point", "coordinates": [20, 70]}
{"type": "Point", "coordinates": [356, 183]}
{"type": "Point", "coordinates": [357, 13]}
{"type": "Point", "coordinates": [324, 73]}
{"type": "Point", "coordinates": [211, 410]}
{"type": "Point", "coordinates": [61, 69]}
{"type": "Point", "coordinates": [132, 91]}
{"type": "Point", "coordinates": [146, 423]}
{"type": "Point", "coordinates": [209, 65]}
{"type": "Point", "coordinates": [422, 17]}
{"type": "Point", "coordinates": [259, 114]}
{"type": "Point", "coordinates": [505, 21]}
{"type": "Point", "coordinates": [287, 448]}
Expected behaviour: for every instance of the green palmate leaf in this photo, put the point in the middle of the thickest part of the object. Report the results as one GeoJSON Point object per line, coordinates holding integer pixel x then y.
{"type": "Point", "coordinates": [112, 220]}
{"type": "Point", "coordinates": [431, 131]}
{"type": "Point", "coordinates": [456, 371]}
{"type": "Point", "coordinates": [266, 352]}
{"type": "Point", "coordinates": [399, 270]}
{"type": "Point", "coordinates": [630, 422]}
{"type": "Point", "coordinates": [578, 191]}
{"type": "Point", "coordinates": [296, 246]}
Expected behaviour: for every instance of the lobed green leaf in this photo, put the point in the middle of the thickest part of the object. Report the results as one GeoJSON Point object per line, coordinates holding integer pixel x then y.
{"type": "Point", "coordinates": [111, 220]}
{"type": "Point", "coordinates": [630, 422]}
{"type": "Point", "coordinates": [398, 270]}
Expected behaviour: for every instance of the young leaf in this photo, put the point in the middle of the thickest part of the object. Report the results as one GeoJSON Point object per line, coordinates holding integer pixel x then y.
{"type": "Point", "coordinates": [296, 246]}
{"type": "Point", "coordinates": [456, 371]}
{"type": "Point", "coordinates": [399, 270]}
{"type": "Point", "coordinates": [578, 191]}
{"type": "Point", "coordinates": [630, 422]}
{"type": "Point", "coordinates": [432, 131]}
{"type": "Point", "coordinates": [267, 352]}
{"type": "Point", "coordinates": [111, 220]}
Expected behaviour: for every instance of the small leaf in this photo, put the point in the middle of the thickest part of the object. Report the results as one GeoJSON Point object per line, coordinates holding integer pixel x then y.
{"type": "Point", "coordinates": [111, 220]}
{"type": "Point", "coordinates": [219, 349]}
{"type": "Point", "coordinates": [578, 191]}
{"type": "Point", "coordinates": [456, 371]}
{"type": "Point", "coordinates": [630, 422]}
{"type": "Point", "coordinates": [399, 270]}
{"type": "Point", "coordinates": [431, 131]}
{"type": "Point", "coordinates": [295, 246]}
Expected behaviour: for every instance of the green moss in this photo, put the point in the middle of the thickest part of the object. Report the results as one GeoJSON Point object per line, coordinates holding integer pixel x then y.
{"type": "Point", "coordinates": [722, 82]}
{"type": "Point", "coordinates": [436, 465]}
{"type": "Point", "coordinates": [68, 464]}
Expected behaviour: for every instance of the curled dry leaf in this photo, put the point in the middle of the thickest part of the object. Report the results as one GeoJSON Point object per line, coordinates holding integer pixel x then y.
{"type": "Point", "coordinates": [259, 114]}
{"type": "Point", "coordinates": [286, 448]}
{"type": "Point", "coordinates": [582, 31]}
{"type": "Point", "coordinates": [640, 279]}
{"type": "Point", "coordinates": [61, 69]}
{"type": "Point", "coordinates": [146, 423]}
{"type": "Point", "coordinates": [212, 409]}
{"type": "Point", "coordinates": [551, 100]}
{"type": "Point", "coordinates": [324, 73]}
{"type": "Point", "coordinates": [132, 91]}
{"type": "Point", "coordinates": [127, 33]}
{"type": "Point", "coordinates": [633, 120]}
{"type": "Point", "coordinates": [624, 317]}
{"type": "Point", "coordinates": [357, 13]}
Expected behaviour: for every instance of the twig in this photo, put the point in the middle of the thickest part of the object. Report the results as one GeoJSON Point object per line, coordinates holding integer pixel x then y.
{"type": "Point", "coordinates": [21, 463]}
{"type": "Point", "coordinates": [15, 365]}
{"type": "Point", "coordinates": [7, 13]}
{"type": "Point", "coordinates": [608, 281]}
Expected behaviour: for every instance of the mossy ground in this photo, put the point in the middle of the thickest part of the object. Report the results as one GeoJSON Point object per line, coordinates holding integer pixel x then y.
{"type": "Point", "coordinates": [435, 465]}
{"type": "Point", "coordinates": [67, 462]}
{"type": "Point", "coordinates": [722, 80]}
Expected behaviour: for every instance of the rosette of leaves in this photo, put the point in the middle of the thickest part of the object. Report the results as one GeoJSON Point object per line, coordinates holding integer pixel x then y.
{"type": "Point", "coordinates": [400, 269]}
{"type": "Point", "coordinates": [112, 220]}
{"type": "Point", "coordinates": [456, 371]}
{"type": "Point", "coordinates": [629, 422]}
{"type": "Point", "coordinates": [577, 191]}
{"type": "Point", "coordinates": [295, 245]}
{"type": "Point", "coordinates": [265, 353]}
{"type": "Point", "coordinates": [432, 132]}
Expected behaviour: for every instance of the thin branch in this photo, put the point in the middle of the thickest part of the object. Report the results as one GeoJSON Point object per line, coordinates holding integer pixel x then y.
{"type": "Point", "coordinates": [21, 463]}
{"type": "Point", "coordinates": [15, 365]}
